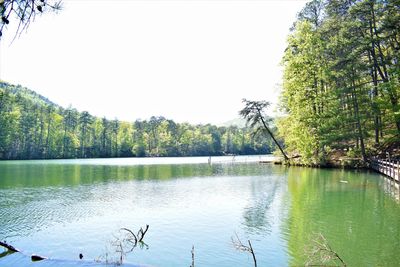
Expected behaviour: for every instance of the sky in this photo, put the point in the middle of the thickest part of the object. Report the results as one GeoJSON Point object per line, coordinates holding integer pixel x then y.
{"type": "Point", "coordinates": [187, 60]}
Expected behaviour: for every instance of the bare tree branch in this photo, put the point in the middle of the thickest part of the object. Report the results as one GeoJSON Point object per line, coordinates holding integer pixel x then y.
{"type": "Point", "coordinates": [24, 11]}
{"type": "Point", "coordinates": [125, 243]}
{"type": "Point", "coordinates": [192, 251]}
{"type": "Point", "coordinates": [322, 254]}
{"type": "Point", "coordinates": [141, 233]}
{"type": "Point", "coordinates": [241, 247]}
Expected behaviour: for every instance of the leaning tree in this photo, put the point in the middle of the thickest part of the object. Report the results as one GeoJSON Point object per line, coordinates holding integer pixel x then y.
{"type": "Point", "coordinates": [254, 114]}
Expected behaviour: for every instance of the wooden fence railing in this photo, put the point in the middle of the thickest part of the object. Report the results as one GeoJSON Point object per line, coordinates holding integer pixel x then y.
{"type": "Point", "coordinates": [389, 168]}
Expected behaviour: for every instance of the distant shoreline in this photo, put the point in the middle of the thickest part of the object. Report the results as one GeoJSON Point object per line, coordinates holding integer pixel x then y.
{"type": "Point", "coordinates": [261, 158]}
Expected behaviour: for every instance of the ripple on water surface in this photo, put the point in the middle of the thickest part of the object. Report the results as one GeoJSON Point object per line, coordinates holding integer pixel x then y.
{"type": "Point", "coordinates": [65, 208]}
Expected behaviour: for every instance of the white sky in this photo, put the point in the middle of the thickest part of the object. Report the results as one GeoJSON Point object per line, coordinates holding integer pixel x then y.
{"type": "Point", "coordinates": [188, 61]}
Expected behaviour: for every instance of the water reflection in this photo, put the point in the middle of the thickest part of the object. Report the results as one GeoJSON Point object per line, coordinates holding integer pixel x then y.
{"type": "Point", "coordinates": [360, 221]}
{"type": "Point", "coordinates": [257, 215]}
{"type": "Point", "coordinates": [391, 188]}
{"type": "Point", "coordinates": [61, 207]}
{"type": "Point", "coordinates": [42, 175]}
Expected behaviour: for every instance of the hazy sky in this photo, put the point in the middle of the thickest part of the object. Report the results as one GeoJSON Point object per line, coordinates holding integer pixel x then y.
{"type": "Point", "coordinates": [185, 60]}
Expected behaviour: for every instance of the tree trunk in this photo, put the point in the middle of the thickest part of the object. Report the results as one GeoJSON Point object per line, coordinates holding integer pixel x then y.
{"type": "Point", "coordinates": [358, 122]}
{"type": "Point", "coordinates": [273, 138]}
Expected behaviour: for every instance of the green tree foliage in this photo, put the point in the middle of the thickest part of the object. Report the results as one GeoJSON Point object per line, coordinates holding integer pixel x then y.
{"type": "Point", "coordinates": [341, 84]}
{"type": "Point", "coordinates": [32, 127]}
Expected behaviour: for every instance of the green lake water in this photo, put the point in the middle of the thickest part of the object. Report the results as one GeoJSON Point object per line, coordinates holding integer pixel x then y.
{"type": "Point", "coordinates": [60, 208]}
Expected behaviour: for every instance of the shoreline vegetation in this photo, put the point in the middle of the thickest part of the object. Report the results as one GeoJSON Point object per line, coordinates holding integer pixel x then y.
{"type": "Point", "coordinates": [30, 122]}
{"type": "Point", "coordinates": [340, 102]}
{"type": "Point", "coordinates": [33, 127]}
{"type": "Point", "coordinates": [341, 84]}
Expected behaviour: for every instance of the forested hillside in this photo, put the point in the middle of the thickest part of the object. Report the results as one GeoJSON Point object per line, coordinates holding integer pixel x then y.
{"type": "Point", "coordinates": [341, 85]}
{"type": "Point", "coordinates": [32, 127]}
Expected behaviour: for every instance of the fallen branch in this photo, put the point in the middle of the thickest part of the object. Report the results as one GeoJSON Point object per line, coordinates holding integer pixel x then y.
{"type": "Point", "coordinates": [240, 246]}
{"type": "Point", "coordinates": [138, 237]}
{"type": "Point", "coordinates": [133, 235]}
{"type": "Point", "coordinates": [252, 253]}
{"type": "Point", "coordinates": [141, 233]}
{"type": "Point", "coordinates": [125, 243]}
{"type": "Point", "coordinates": [9, 247]}
{"type": "Point", "coordinates": [192, 251]}
{"type": "Point", "coordinates": [12, 249]}
{"type": "Point", "coordinates": [322, 254]}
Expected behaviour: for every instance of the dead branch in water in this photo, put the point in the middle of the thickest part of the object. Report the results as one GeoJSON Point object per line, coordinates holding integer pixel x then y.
{"type": "Point", "coordinates": [141, 233]}
{"type": "Point", "coordinates": [11, 249]}
{"type": "Point", "coordinates": [123, 244]}
{"type": "Point", "coordinates": [8, 246]}
{"type": "Point", "coordinates": [322, 254]}
{"type": "Point", "coordinates": [132, 238]}
{"type": "Point", "coordinates": [192, 251]}
{"type": "Point", "coordinates": [135, 239]}
{"type": "Point", "coordinates": [241, 247]}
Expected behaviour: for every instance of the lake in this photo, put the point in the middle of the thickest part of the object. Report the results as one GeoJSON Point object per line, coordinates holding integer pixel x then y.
{"type": "Point", "coordinates": [60, 208]}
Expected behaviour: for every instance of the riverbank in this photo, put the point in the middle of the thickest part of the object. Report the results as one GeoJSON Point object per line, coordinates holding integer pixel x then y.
{"type": "Point", "coordinates": [389, 168]}
{"type": "Point", "coordinates": [340, 163]}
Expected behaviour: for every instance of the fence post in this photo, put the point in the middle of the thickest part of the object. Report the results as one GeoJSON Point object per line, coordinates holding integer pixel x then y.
{"type": "Point", "coordinates": [383, 166]}
{"type": "Point", "coordinates": [393, 169]}
{"type": "Point", "coordinates": [398, 171]}
{"type": "Point", "coordinates": [388, 168]}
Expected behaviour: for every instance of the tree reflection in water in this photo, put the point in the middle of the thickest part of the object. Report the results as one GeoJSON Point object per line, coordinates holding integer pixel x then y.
{"type": "Point", "coordinates": [259, 215]}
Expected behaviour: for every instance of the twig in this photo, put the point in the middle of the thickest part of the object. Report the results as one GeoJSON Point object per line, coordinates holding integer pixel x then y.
{"type": "Point", "coordinates": [192, 251]}
{"type": "Point", "coordinates": [322, 253]}
{"type": "Point", "coordinates": [24, 11]}
{"type": "Point", "coordinates": [126, 243]}
{"type": "Point", "coordinates": [240, 246]}
{"type": "Point", "coordinates": [252, 253]}
{"type": "Point", "coordinates": [142, 233]}
{"type": "Point", "coordinates": [133, 235]}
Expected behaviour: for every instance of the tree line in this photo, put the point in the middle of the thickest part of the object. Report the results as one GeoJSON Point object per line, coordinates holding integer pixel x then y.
{"type": "Point", "coordinates": [341, 85]}
{"type": "Point", "coordinates": [32, 127]}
